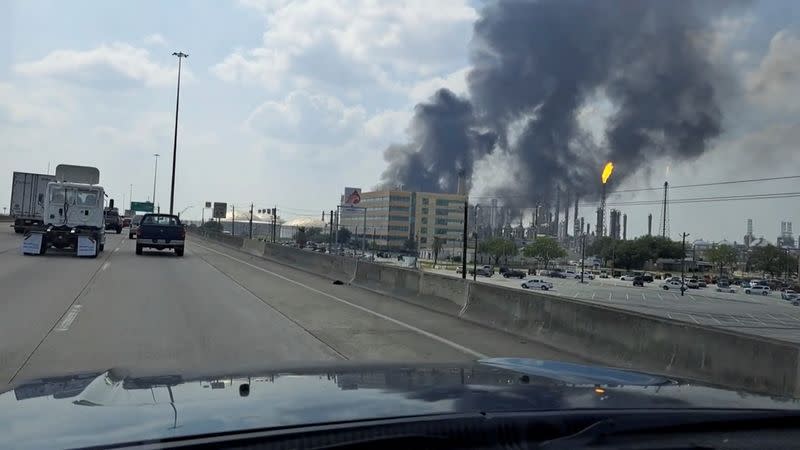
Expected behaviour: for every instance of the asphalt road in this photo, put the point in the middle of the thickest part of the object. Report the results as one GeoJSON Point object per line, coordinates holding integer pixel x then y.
{"type": "Point", "coordinates": [754, 314]}
{"type": "Point", "coordinates": [215, 310]}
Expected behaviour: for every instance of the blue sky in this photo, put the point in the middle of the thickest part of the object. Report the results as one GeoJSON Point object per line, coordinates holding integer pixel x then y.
{"type": "Point", "coordinates": [286, 102]}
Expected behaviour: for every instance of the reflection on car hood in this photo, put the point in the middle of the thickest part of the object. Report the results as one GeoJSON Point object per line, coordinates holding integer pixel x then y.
{"type": "Point", "coordinates": [114, 406]}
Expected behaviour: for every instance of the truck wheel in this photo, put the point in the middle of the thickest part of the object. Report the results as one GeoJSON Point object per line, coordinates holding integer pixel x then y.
{"type": "Point", "coordinates": [178, 251]}
{"type": "Point", "coordinates": [102, 247]}
{"type": "Point", "coordinates": [19, 230]}
{"type": "Point", "coordinates": [138, 249]}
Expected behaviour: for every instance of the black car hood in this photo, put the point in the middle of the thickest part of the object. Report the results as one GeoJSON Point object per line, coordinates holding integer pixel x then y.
{"type": "Point", "coordinates": [114, 406]}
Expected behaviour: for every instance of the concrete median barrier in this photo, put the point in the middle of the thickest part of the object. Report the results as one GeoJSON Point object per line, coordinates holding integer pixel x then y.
{"type": "Point", "coordinates": [590, 331]}
{"type": "Point", "coordinates": [254, 247]}
{"type": "Point", "coordinates": [627, 339]}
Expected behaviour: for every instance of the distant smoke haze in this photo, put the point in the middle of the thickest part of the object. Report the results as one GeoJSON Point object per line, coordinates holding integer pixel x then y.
{"type": "Point", "coordinates": [536, 64]}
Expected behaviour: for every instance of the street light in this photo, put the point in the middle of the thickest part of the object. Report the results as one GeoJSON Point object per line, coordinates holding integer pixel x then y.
{"type": "Point", "coordinates": [180, 56]}
{"type": "Point", "coordinates": [155, 174]}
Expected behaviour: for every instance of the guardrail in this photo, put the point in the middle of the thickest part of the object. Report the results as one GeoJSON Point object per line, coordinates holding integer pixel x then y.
{"type": "Point", "coordinates": [6, 218]}
{"type": "Point", "coordinates": [598, 333]}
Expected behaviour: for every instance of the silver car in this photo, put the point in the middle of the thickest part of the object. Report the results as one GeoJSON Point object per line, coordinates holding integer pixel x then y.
{"type": "Point", "coordinates": [134, 225]}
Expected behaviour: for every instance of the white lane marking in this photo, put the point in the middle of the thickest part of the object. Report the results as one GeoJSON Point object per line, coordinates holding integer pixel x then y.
{"type": "Point", "coordinates": [643, 297]}
{"type": "Point", "coordinates": [756, 319]}
{"type": "Point", "coordinates": [627, 297]}
{"type": "Point", "coordinates": [609, 296]}
{"type": "Point", "coordinates": [593, 294]}
{"type": "Point", "coordinates": [779, 320]}
{"type": "Point", "coordinates": [69, 317]}
{"type": "Point", "coordinates": [660, 297]}
{"type": "Point", "coordinates": [576, 294]}
{"type": "Point", "coordinates": [692, 317]}
{"type": "Point", "coordinates": [116, 250]}
{"type": "Point", "coordinates": [358, 307]}
{"type": "Point", "coordinates": [691, 297]}
{"type": "Point", "coordinates": [714, 319]}
{"type": "Point", "coordinates": [105, 265]}
{"type": "Point", "coordinates": [676, 297]}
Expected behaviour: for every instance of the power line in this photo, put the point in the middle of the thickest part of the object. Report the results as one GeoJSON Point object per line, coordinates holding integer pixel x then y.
{"type": "Point", "coordinates": [658, 188]}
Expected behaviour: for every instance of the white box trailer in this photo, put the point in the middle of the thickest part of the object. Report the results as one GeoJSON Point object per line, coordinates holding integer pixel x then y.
{"type": "Point", "coordinates": [27, 199]}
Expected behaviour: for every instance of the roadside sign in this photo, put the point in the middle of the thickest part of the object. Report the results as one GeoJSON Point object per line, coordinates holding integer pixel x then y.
{"type": "Point", "coordinates": [142, 206]}
{"type": "Point", "coordinates": [32, 244]}
{"type": "Point", "coordinates": [352, 196]}
{"type": "Point", "coordinates": [86, 246]}
{"type": "Point", "coordinates": [219, 210]}
{"type": "Point", "coordinates": [208, 204]}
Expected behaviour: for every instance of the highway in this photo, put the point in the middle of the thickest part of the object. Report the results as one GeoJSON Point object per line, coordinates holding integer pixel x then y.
{"type": "Point", "coordinates": [753, 314]}
{"type": "Point", "coordinates": [214, 310]}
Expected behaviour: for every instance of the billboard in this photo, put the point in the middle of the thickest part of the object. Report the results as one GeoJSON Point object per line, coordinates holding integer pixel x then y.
{"type": "Point", "coordinates": [352, 196]}
{"type": "Point", "coordinates": [219, 210]}
{"type": "Point", "coordinates": [142, 206]}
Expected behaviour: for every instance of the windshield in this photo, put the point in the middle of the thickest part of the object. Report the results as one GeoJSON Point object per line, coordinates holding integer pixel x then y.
{"type": "Point", "coordinates": [319, 183]}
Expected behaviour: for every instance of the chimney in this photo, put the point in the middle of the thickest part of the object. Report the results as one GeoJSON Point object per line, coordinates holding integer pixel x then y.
{"type": "Point", "coordinates": [566, 217]}
{"type": "Point", "coordinates": [462, 183]}
{"type": "Point", "coordinates": [624, 227]}
{"type": "Point", "coordinates": [649, 224]}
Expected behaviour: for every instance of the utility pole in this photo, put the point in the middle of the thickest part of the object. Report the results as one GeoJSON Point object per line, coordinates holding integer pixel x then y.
{"type": "Point", "coordinates": [330, 237]}
{"type": "Point", "coordinates": [464, 241]}
{"type": "Point", "coordinates": [583, 254]}
{"type": "Point", "coordinates": [683, 262]}
{"type": "Point", "coordinates": [274, 224]}
{"type": "Point", "coordinates": [233, 220]}
{"type": "Point", "coordinates": [155, 175]}
{"type": "Point", "coordinates": [180, 56]}
{"type": "Point", "coordinates": [475, 259]}
{"type": "Point", "coordinates": [251, 221]}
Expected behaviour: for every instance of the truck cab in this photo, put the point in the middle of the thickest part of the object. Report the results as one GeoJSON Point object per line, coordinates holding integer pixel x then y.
{"type": "Point", "coordinates": [73, 214]}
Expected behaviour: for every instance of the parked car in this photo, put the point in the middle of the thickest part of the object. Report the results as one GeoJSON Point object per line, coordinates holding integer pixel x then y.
{"type": "Point", "coordinates": [758, 289]}
{"type": "Point", "coordinates": [570, 273]}
{"type": "Point", "coordinates": [537, 283]}
{"type": "Point", "coordinates": [557, 274]}
{"type": "Point", "coordinates": [638, 281]}
{"type": "Point", "coordinates": [789, 294]}
{"type": "Point", "coordinates": [702, 283]}
{"type": "Point", "coordinates": [647, 278]}
{"type": "Point", "coordinates": [672, 284]}
{"type": "Point", "coordinates": [482, 271]}
{"type": "Point", "coordinates": [692, 283]}
{"type": "Point", "coordinates": [513, 273]}
{"type": "Point", "coordinates": [724, 286]}
{"type": "Point", "coordinates": [627, 277]}
{"type": "Point", "coordinates": [586, 276]}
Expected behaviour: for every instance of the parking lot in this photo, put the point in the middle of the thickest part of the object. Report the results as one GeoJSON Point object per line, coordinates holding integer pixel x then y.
{"type": "Point", "coordinates": [762, 315]}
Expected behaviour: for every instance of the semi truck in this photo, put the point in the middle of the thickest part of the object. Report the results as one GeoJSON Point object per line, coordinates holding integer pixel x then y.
{"type": "Point", "coordinates": [72, 214]}
{"type": "Point", "coordinates": [27, 199]}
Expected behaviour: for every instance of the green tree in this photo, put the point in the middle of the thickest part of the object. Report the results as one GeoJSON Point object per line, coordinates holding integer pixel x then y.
{"type": "Point", "coordinates": [436, 246]}
{"type": "Point", "coordinates": [544, 249]}
{"type": "Point", "coordinates": [768, 259]}
{"type": "Point", "coordinates": [498, 248]}
{"type": "Point", "coordinates": [344, 235]}
{"type": "Point", "coordinates": [722, 256]}
{"type": "Point", "coordinates": [632, 254]}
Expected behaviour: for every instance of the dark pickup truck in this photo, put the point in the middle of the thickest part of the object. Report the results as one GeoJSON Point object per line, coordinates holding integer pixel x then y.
{"type": "Point", "coordinates": [160, 231]}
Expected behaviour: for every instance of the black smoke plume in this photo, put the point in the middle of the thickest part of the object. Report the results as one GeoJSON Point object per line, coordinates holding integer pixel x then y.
{"type": "Point", "coordinates": [536, 64]}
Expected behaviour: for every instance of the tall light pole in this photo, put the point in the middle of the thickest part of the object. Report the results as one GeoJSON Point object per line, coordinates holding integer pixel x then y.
{"type": "Point", "coordinates": [130, 197]}
{"type": "Point", "coordinates": [180, 56]}
{"type": "Point", "coordinates": [155, 175]}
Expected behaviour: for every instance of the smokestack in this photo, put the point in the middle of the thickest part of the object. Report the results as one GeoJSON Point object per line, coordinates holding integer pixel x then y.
{"type": "Point", "coordinates": [566, 217]}
{"type": "Point", "coordinates": [558, 209]}
{"type": "Point", "coordinates": [624, 227]}
{"type": "Point", "coordinates": [462, 183]}
{"type": "Point", "coordinates": [650, 224]}
{"type": "Point", "coordinates": [599, 224]}
{"type": "Point", "coordinates": [575, 218]}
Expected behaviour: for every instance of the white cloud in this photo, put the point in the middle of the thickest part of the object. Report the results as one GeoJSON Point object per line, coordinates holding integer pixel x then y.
{"type": "Point", "coordinates": [306, 118]}
{"type": "Point", "coordinates": [110, 63]}
{"type": "Point", "coordinates": [346, 43]}
{"type": "Point", "coordinates": [155, 39]}
{"type": "Point", "coordinates": [456, 82]}
{"type": "Point", "coordinates": [775, 83]}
